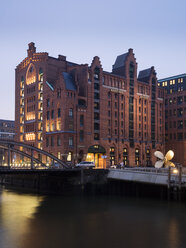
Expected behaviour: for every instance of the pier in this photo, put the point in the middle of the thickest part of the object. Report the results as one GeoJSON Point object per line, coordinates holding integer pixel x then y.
{"type": "Point", "coordinates": [163, 183]}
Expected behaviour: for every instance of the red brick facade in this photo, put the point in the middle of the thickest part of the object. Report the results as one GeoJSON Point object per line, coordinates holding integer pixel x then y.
{"type": "Point", "coordinates": [80, 112]}
{"type": "Point", "coordinates": [175, 116]}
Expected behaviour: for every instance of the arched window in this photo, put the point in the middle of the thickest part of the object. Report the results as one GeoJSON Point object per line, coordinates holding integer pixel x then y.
{"type": "Point", "coordinates": [31, 74]}
{"type": "Point", "coordinates": [148, 157]}
{"type": "Point", "coordinates": [137, 156]}
{"type": "Point", "coordinates": [125, 156]}
{"type": "Point", "coordinates": [40, 74]}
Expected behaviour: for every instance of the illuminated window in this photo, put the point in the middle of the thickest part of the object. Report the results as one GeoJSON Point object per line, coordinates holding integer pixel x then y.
{"type": "Point", "coordinates": [59, 125]}
{"type": "Point", "coordinates": [178, 80]}
{"type": "Point", "coordinates": [181, 80]}
{"type": "Point", "coordinates": [30, 136]}
{"type": "Point", "coordinates": [31, 75]}
{"type": "Point", "coordinates": [170, 82]}
{"type": "Point", "coordinates": [173, 82]}
{"type": "Point", "coordinates": [166, 83]}
{"type": "Point", "coordinates": [58, 155]}
{"type": "Point", "coordinates": [163, 84]}
{"type": "Point", "coordinates": [170, 91]}
{"type": "Point", "coordinates": [53, 126]}
{"type": "Point", "coordinates": [69, 157]}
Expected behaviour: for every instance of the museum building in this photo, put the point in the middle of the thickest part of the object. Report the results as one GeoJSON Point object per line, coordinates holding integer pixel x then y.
{"type": "Point", "coordinates": [81, 112]}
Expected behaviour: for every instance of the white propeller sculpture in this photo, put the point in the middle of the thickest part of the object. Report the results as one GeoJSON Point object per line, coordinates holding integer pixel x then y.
{"type": "Point", "coordinates": [164, 159]}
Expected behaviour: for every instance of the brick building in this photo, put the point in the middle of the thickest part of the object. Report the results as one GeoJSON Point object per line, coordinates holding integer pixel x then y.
{"type": "Point", "coordinates": [7, 132]}
{"type": "Point", "coordinates": [81, 112]}
{"type": "Point", "coordinates": [175, 115]}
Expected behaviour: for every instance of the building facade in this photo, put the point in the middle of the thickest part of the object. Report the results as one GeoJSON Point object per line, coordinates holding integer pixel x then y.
{"type": "Point", "coordinates": [175, 116]}
{"type": "Point", "coordinates": [7, 132]}
{"type": "Point", "coordinates": [81, 112]}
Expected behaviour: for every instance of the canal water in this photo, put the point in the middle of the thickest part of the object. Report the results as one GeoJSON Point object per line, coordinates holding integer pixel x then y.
{"type": "Point", "coordinates": [38, 221]}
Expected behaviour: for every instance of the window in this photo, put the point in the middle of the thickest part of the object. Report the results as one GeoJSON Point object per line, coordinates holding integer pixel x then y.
{"type": "Point", "coordinates": [70, 112]}
{"type": "Point", "coordinates": [52, 141]}
{"type": "Point", "coordinates": [48, 102]}
{"type": "Point", "coordinates": [179, 112]}
{"type": "Point", "coordinates": [59, 93]}
{"type": "Point", "coordinates": [48, 115]}
{"type": "Point", "coordinates": [58, 140]}
{"type": "Point", "coordinates": [96, 116]}
{"type": "Point", "coordinates": [47, 142]}
{"type": "Point", "coordinates": [96, 126]}
{"type": "Point", "coordinates": [70, 141]}
{"type": "Point", "coordinates": [96, 136]}
{"type": "Point", "coordinates": [52, 114]}
{"type": "Point", "coordinates": [180, 136]}
{"type": "Point", "coordinates": [69, 157]}
{"type": "Point", "coordinates": [81, 135]}
{"type": "Point", "coordinates": [96, 106]}
{"type": "Point", "coordinates": [179, 99]}
{"type": "Point", "coordinates": [81, 120]}
{"type": "Point", "coordinates": [96, 95]}
{"type": "Point", "coordinates": [53, 127]}
{"type": "Point", "coordinates": [59, 112]}
{"type": "Point", "coordinates": [180, 124]}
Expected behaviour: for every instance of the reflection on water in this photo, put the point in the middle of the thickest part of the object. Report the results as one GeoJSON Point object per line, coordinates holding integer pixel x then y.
{"type": "Point", "coordinates": [70, 222]}
{"type": "Point", "coordinates": [16, 211]}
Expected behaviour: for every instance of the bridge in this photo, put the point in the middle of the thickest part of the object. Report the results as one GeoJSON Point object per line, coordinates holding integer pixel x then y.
{"type": "Point", "coordinates": [11, 146]}
{"type": "Point", "coordinates": [164, 176]}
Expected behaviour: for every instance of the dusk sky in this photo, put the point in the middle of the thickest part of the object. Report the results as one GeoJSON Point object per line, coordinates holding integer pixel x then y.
{"type": "Point", "coordinates": [81, 29]}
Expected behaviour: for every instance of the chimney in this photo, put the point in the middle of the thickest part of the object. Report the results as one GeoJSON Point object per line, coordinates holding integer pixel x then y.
{"type": "Point", "coordinates": [31, 49]}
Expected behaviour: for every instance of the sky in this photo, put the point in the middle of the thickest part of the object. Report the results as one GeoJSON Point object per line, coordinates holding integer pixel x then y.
{"type": "Point", "coordinates": [82, 29]}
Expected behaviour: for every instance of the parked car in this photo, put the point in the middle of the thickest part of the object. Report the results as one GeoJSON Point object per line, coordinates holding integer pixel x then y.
{"type": "Point", "coordinates": [85, 164]}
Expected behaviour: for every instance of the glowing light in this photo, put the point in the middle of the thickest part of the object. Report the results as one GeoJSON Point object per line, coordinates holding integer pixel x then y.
{"type": "Point", "coordinates": [175, 171]}
{"type": "Point", "coordinates": [31, 80]}
{"type": "Point", "coordinates": [30, 116]}
{"type": "Point", "coordinates": [30, 136]}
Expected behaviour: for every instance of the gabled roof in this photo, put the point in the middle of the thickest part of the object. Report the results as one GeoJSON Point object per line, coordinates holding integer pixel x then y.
{"type": "Point", "coordinates": [145, 73]}
{"type": "Point", "coordinates": [69, 82]}
{"type": "Point", "coordinates": [120, 60]}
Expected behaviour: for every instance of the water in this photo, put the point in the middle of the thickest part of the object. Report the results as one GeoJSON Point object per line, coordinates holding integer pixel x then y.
{"type": "Point", "coordinates": [32, 221]}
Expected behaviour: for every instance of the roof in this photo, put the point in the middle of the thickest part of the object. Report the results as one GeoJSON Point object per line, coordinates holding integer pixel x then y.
{"type": "Point", "coordinates": [69, 82]}
{"type": "Point", "coordinates": [120, 60]}
{"type": "Point", "coordinates": [145, 73]}
{"type": "Point", "coordinates": [173, 77]}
